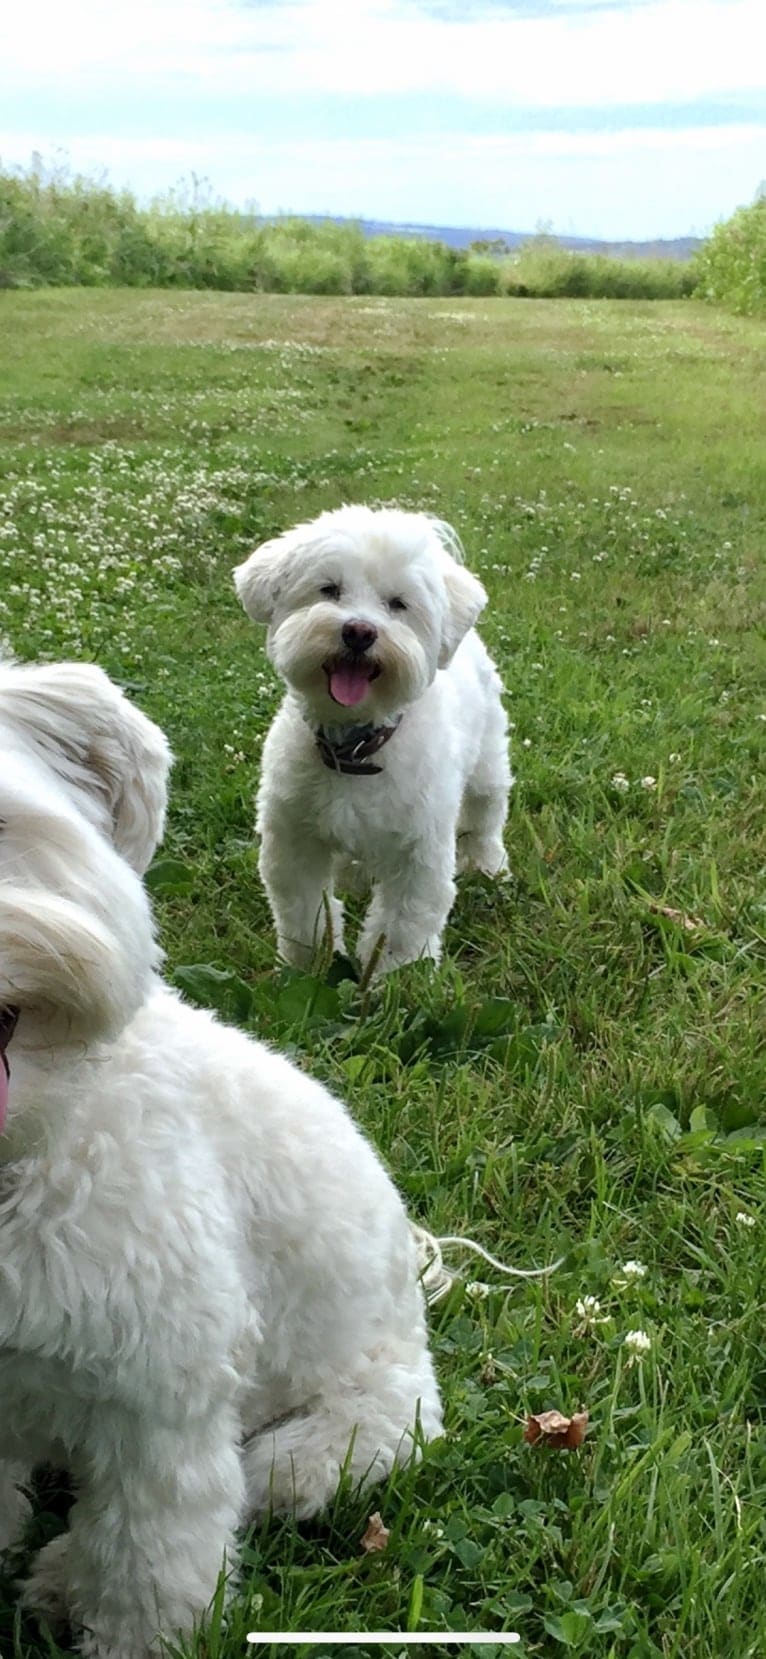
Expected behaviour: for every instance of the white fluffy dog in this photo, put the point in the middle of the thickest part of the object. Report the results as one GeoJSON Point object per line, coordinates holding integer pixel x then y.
{"type": "Point", "coordinates": [208, 1284]}
{"type": "Point", "coordinates": [389, 754]}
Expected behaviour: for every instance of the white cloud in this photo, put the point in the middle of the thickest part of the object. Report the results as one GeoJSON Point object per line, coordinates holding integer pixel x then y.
{"type": "Point", "coordinates": [633, 183]}
{"type": "Point", "coordinates": [180, 66]}
{"type": "Point", "coordinates": [483, 148]}
{"type": "Point", "coordinates": [668, 50]}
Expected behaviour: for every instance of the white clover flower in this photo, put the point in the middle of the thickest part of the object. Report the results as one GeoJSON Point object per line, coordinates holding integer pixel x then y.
{"type": "Point", "coordinates": [589, 1313]}
{"type": "Point", "coordinates": [744, 1219]}
{"type": "Point", "coordinates": [648, 783]}
{"type": "Point", "coordinates": [619, 781]}
{"type": "Point", "coordinates": [631, 1273]}
{"type": "Point", "coordinates": [638, 1344]}
{"type": "Point", "coordinates": [477, 1290]}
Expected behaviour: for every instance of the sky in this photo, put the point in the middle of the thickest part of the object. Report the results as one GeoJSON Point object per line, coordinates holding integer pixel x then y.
{"type": "Point", "coordinates": [590, 117]}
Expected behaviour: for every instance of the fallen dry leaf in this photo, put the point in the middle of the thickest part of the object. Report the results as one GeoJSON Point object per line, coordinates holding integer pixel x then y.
{"type": "Point", "coordinates": [376, 1537]}
{"type": "Point", "coordinates": [555, 1429]}
{"type": "Point", "coordinates": [691, 924]}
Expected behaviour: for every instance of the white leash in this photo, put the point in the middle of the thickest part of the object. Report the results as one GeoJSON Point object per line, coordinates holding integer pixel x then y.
{"type": "Point", "coordinates": [437, 1279]}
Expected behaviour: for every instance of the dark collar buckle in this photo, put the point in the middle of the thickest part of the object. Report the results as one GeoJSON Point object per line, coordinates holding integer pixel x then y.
{"type": "Point", "coordinates": [9, 1019]}
{"type": "Point", "coordinates": [352, 755]}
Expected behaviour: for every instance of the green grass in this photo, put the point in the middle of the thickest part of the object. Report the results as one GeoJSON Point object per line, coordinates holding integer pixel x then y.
{"type": "Point", "coordinates": [603, 463]}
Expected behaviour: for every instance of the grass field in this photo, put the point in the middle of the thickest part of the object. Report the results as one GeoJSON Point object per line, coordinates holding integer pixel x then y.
{"type": "Point", "coordinates": [589, 1066]}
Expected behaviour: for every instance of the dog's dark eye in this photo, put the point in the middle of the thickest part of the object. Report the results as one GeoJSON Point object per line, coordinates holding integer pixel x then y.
{"type": "Point", "coordinates": [330, 591]}
{"type": "Point", "coordinates": [396, 605]}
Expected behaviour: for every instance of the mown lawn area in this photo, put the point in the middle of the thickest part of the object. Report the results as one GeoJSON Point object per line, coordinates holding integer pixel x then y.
{"type": "Point", "coordinates": [588, 1068]}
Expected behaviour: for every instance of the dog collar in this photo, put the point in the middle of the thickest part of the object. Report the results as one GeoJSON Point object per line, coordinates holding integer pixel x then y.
{"type": "Point", "coordinates": [9, 1019]}
{"type": "Point", "coordinates": [351, 753]}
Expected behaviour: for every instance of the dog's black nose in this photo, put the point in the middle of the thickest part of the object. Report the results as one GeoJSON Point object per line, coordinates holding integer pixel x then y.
{"type": "Point", "coordinates": [358, 636]}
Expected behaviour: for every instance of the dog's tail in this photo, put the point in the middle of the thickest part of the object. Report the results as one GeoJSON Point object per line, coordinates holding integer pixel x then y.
{"type": "Point", "coordinates": [437, 1279]}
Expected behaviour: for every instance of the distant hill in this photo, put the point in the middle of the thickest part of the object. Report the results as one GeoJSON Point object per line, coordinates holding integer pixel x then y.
{"type": "Point", "coordinates": [679, 247]}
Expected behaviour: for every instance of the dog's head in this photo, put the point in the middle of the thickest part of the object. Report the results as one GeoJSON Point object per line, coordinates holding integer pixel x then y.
{"type": "Point", "coordinates": [363, 607]}
{"type": "Point", "coordinates": [82, 803]}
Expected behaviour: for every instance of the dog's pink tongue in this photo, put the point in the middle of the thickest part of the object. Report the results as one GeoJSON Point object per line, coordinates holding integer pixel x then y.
{"type": "Point", "coordinates": [348, 684]}
{"type": "Point", "coordinates": [3, 1096]}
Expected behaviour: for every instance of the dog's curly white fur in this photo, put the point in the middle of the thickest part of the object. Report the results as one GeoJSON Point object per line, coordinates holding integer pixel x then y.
{"type": "Point", "coordinates": [370, 621]}
{"type": "Point", "coordinates": [208, 1285]}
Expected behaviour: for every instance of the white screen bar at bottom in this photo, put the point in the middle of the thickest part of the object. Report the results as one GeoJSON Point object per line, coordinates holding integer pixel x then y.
{"type": "Point", "coordinates": [395, 1638]}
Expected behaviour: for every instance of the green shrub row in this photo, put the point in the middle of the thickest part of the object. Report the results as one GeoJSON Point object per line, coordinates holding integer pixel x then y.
{"type": "Point", "coordinates": [730, 269]}
{"type": "Point", "coordinates": [58, 230]}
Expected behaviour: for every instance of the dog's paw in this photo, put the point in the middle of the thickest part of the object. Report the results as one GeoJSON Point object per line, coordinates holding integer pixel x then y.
{"type": "Point", "coordinates": [286, 1484]}
{"type": "Point", "coordinates": [489, 858]}
{"type": "Point", "coordinates": [44, 1592]}
{"type": "Point", "coordinates": [94, 1644]}
{"type": "Point", "coordinates": [410, 956]}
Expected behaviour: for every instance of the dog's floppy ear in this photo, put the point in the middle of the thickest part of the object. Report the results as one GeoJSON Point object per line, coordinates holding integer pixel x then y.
{"type": "Point", "coordinates": [258, 580]}
{"type": "Point", "coordinates": [98, 741]}
{"type": "Point", "coordinates": [466, 597]}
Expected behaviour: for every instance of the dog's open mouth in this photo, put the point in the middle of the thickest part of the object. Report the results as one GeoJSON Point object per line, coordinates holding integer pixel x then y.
{"type": "Point", "coordinates": [348, 678]}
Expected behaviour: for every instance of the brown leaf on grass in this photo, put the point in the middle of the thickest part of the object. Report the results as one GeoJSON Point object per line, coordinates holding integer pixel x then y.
{"type": "Point", "coordinates": [690, 924]}
{"type": "Point", "coordinates": [555, 1429]}
{"type": "Point", "coordinates": [376, 1537]}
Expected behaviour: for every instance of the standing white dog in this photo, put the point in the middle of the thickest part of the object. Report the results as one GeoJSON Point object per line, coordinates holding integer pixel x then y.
{"type": "Point", "coordinates": [208, 1285]}
{"type": "Point", "coordinates": [390, 750]}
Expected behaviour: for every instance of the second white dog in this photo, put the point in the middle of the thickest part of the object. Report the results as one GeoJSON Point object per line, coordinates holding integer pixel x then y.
{"type": "Point", "coordinates": [389, 752]}
{"type": "Point", "coordinates": [209, 1296]}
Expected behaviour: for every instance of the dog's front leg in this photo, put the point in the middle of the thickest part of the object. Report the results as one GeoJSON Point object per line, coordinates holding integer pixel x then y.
{"type": "Point", "coordinates": [296, 871]}
{"type": "Point", "coordinates": [152, 1528]}
{"type": "Point", "coordinates": [409, 908]}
